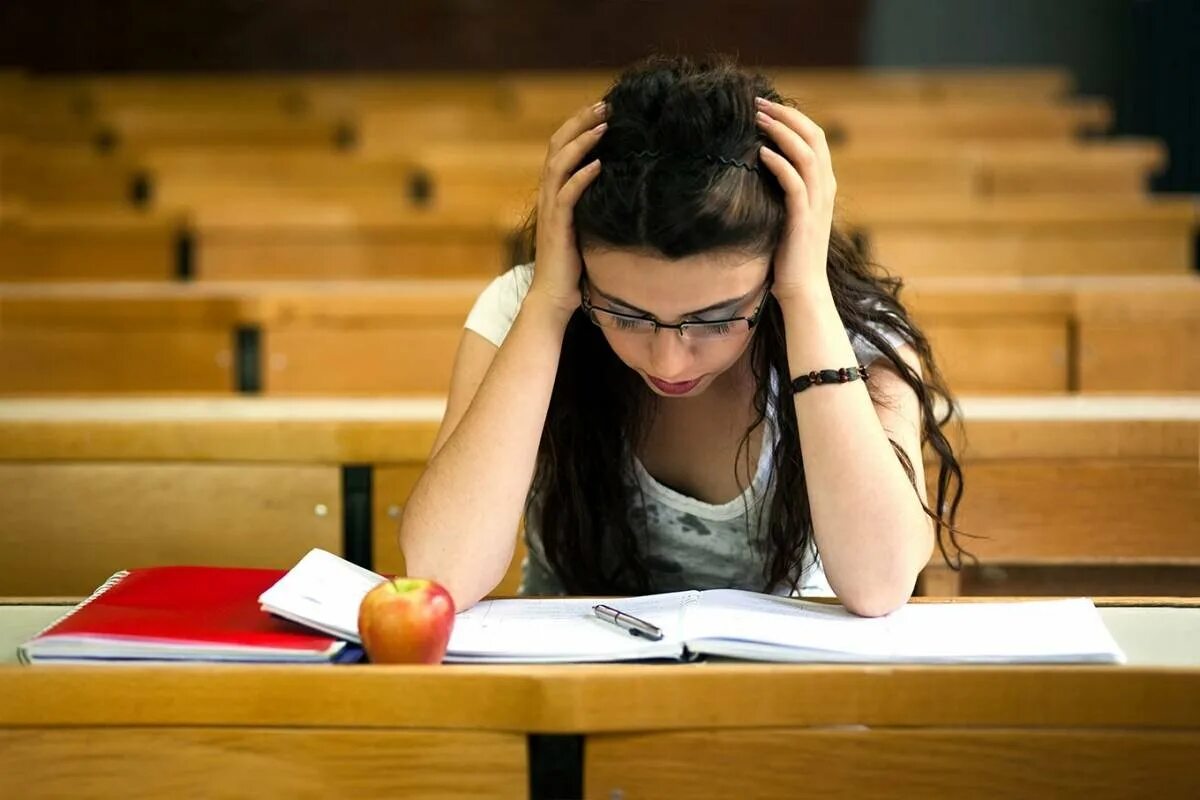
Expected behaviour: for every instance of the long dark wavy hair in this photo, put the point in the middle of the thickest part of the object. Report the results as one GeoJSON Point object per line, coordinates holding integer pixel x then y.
{"type": "Point", "coordinates": [667, 186]}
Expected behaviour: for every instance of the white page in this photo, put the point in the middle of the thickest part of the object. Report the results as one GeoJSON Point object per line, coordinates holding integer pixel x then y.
{"type": "Point", "coordinates": [1036, 630]}
{"type": "Point", "coordinates": [565, 630]}
{"type": "Point", "coordinates": [739, 616]}
{"type": "Point", "coordinates": [1052, 630]}
{"type": "Point", "coordinates": [324, 592]}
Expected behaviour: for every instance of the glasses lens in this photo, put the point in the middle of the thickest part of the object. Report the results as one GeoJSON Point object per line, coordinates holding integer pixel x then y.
{"type": "Point", "coordinates": [714, 330]}
{"type": "Point", "coordinates": [614, 322]}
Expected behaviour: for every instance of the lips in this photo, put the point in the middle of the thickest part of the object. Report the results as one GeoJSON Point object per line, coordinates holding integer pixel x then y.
{"type": "Point", "coordinates": [666, 387]}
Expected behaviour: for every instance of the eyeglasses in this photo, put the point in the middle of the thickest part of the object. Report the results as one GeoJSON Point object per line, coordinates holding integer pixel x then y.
{"type": "Point", "coordinates": [714, 329]}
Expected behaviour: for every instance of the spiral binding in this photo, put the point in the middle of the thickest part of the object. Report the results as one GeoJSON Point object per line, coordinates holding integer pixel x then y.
{"type": "Point", "coordinates": [104, 587]}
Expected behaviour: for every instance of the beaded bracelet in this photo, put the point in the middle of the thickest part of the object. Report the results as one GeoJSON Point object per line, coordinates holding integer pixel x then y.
{"type": "Point", "coordinates": [820, 376]}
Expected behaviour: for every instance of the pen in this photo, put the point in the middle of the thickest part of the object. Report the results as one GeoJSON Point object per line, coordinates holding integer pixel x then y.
{"type": "Point", "coordinates": [635, 626]}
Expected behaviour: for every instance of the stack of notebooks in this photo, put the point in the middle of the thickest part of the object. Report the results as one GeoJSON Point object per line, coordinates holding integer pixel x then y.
{"type": "Point", "coordinates": [310, 613]}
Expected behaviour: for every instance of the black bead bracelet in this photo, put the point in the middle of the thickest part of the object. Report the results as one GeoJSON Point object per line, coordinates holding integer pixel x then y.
{"type": "Point", "coordinates": [820, 376]}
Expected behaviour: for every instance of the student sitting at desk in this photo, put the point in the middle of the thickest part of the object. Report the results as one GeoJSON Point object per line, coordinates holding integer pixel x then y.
{"type": "Point", "coordinates": [623, 390]}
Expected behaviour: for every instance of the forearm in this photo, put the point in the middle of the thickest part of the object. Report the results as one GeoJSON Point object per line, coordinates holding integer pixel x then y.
{"type": "Point", "coordinates": [870, 529]}
{"type": "Point", "coordinates": [459, 525]}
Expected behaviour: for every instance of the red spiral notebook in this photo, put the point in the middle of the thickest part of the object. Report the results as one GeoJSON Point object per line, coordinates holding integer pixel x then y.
{"type": "Point", "coordinates": [182, 614]}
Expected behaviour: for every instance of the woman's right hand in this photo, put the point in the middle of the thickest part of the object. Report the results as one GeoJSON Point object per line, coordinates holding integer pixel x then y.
{"type": "Point", "coordinates": [557, 268]}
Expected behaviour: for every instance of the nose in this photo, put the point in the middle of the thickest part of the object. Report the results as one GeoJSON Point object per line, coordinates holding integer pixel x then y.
{"type": "Point", "coordinates": [670, 356]}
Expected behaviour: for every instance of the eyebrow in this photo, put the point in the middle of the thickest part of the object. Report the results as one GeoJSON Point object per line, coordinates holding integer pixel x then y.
{"type": "Point", "coordinates": [632, 307]}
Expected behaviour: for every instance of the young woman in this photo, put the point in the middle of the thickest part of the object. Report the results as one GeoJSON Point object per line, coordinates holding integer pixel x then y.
{"type": "Point", "coordinates": [698, 382]}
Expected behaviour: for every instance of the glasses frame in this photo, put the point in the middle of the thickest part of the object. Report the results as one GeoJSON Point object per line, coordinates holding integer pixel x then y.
{"type": "Point", "coordinates": [751, 321]}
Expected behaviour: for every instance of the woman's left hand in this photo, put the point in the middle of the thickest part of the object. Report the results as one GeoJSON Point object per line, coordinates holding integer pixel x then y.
{"type": "Point", "coordinates": [802, 164]}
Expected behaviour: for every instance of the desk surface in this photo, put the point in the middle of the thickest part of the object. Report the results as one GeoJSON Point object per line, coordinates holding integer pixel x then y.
{"type": "Point", "coordinates": [1159, 687]}
{"type": "Point", "coordinates": [401, 429]}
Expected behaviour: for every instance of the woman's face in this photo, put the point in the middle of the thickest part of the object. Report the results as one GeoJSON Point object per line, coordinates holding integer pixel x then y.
{"type": "Point", "coordinates": [702, 288]}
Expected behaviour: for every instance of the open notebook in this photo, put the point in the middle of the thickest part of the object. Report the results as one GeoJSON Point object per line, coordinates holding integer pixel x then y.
{"type": "Point", "coordinates": [324, 591]}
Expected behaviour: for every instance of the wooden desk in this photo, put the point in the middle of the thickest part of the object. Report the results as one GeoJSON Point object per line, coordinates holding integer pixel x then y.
{"type": "Point", "coordinates": [715, 729]}
{"type": "Point", "coordinates": [1049, 480]}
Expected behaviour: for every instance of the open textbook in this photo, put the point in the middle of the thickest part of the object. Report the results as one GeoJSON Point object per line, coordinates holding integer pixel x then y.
{"type": "Point", "coordinates": [324, 591]}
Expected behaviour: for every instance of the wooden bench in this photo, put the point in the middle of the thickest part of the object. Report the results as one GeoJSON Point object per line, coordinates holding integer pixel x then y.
{"type": "Point", "coordinates": [1109, 481]}
{"type": "Point", "coordinates": [352, 96]}
{"type": "Point", "coordinates": [1111, 168]}
{"type": "Point", "coordinates": [1068, 334]}
{"type": "Point", "coordinates": [383, 240]}
{"type": "Point", "coordinates": [204, 179]}
{"type": "Point", "coordinates": [67, 176]}
{"type": "Point", "coordinates": [275, 338]}
{"type": "Point", "coordinates": [111, 337]}
{"type": "Point", "coordinates": [88, 487]}
{"type": "Point", "coordinates": [1079, 496]}
{"type": "Point", "coordinates": [961, 120]}
{"type": "Point", "coordinates": [1029, 236]}
{"type": "Point", "coordinates": [991, 335]}
{"type": "Point", "coordinates": [88, 244]}
{"type": "Point", "coordinates": [505, 176]}
{"type": "Point", "coordinates": [138, 128]}
{"type": "Point", "coordinates": [552, 95]}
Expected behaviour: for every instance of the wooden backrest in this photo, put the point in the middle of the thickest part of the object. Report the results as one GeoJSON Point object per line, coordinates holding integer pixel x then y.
{"type": "Point", "coordinates": [1049, 481]}
{"type": "Point", "coordinates": [989, 335]}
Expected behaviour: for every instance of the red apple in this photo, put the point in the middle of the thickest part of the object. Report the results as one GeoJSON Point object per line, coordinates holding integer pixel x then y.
{"type": "Point", "coordinates": [406, 621]}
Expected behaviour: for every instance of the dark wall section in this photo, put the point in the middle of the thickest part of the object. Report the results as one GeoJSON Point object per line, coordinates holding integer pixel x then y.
{"type": "Point", "coordinates": [1162, 96]}
{"type": "Point", "coordinates": [1089, 37]}
{"type": "Point", "coordinates": [285, 35]}
{"type": "Point", "coordinates": [1143, 54]}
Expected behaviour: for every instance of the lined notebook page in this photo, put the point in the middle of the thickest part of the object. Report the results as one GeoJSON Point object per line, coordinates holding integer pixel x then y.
{"type": "Point", "coordinates": [324, 592]}
{"type": "Point", "coordinates": [565, 630]}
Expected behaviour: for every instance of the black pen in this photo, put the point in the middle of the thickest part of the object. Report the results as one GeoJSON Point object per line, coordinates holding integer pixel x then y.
{"type": "Point", "coordinates": [635, 626]}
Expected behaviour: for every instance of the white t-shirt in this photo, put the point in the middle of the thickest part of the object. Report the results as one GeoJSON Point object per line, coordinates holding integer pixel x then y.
{"type": "Point", "coordinates": [688, 544]}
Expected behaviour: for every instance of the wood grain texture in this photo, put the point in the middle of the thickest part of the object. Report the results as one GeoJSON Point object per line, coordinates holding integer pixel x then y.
{"type": "Point", "coordinates": [930, 251]}
{"type": "Point", "coordinates": [1081, 580]}
{"type": "Point", "coordinates": [962, 120]}
{"type": "Point", "coordinates": [67, 527]}
{"type": "Point", "coordinates": [260, 762]}
{"type": "Point", "coordinates": [49, 361]}
{"type": "Point", "coordinates": [360, 361]}
{"type": "Point", "coordinates": [881, 764]}
{"type": "Point", "coordinates": [993, 335]}
{"type": "Point", "coordinates": [1000, 439]}
{"type": "Point", "coordinates": [367, 243]}
{"type": "Point", "coordinates": [1097, 511]}
{"type": "Point", "coordinates": [1009, 356]}
{"type": "Point", "coordinates": [83, 246]}
{"type": "Point", "coordinates": [220, 440]}
{"type": "Point", "coordinates": [404, 429]}
{"type": "Point", "coordinates": [602, 698]}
